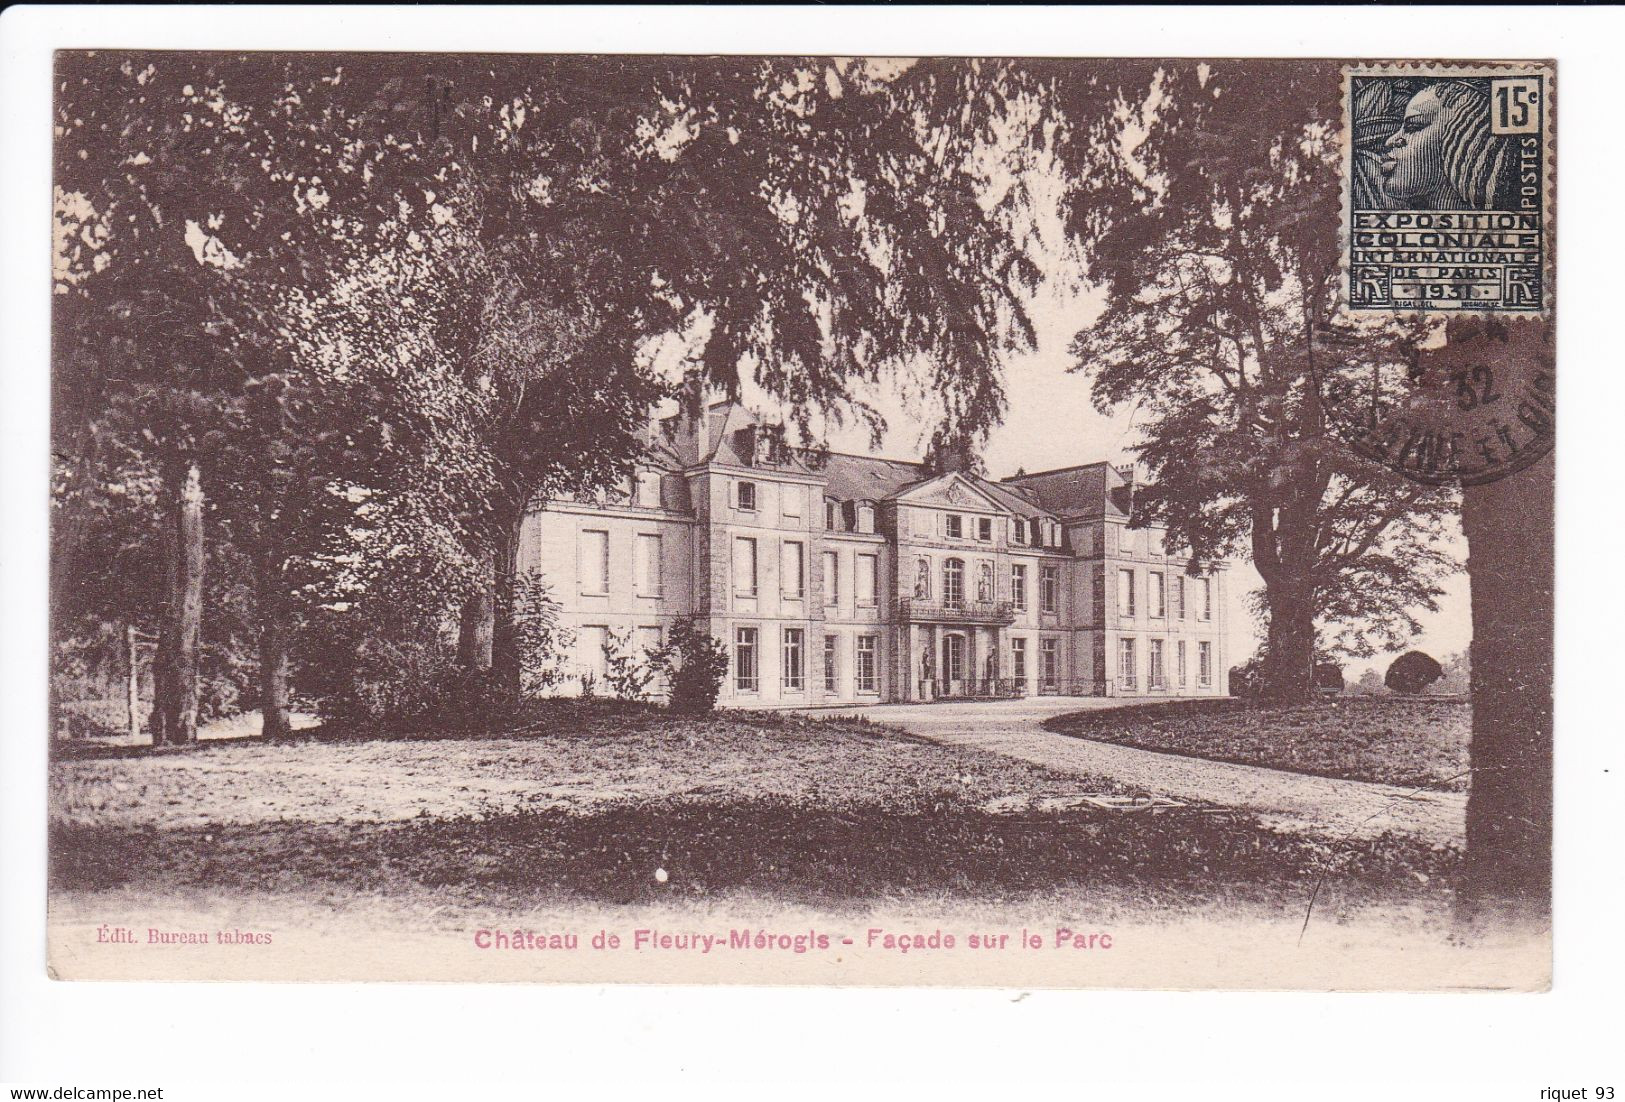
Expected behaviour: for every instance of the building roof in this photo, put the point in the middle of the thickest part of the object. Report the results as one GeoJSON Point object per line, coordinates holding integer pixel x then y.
{"type": "Point", "coordinates": [867, 478]}
{"type": "Point", "coordinates": [1092, 489]}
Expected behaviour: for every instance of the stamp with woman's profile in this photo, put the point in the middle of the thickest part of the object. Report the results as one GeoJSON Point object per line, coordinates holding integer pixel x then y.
{"type": "Point", "coordinates": [1447, 221]}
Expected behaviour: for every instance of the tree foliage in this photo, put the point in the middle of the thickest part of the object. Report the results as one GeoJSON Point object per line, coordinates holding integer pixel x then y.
{"type": "Point", "coordinates": [1412, 672]}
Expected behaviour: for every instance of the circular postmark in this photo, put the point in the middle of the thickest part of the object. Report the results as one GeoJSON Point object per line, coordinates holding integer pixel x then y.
{"type": "Point", "coordinates": [1478, 407]}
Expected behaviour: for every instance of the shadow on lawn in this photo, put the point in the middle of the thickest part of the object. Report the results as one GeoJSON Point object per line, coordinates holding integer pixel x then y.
{"type": "Point", "coordinates": [796, 852]}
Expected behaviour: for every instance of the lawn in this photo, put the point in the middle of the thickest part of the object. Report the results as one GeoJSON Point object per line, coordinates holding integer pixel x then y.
{"type": "Point", "coordinates": [584, 802]}
{"type": "Point", "coordinates": [1414, 742]}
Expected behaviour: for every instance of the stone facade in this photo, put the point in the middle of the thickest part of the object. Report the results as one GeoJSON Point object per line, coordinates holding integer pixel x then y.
{"type": "Point", "coordinates": [845, 579]}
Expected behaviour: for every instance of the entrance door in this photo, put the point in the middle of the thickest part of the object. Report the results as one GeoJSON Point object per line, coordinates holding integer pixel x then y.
{"type": "Point", "coordinates": [953, 665]}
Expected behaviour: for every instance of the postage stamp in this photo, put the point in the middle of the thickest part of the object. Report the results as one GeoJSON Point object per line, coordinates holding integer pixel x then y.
{"type": "Point", "coordinates": [1448, 185]}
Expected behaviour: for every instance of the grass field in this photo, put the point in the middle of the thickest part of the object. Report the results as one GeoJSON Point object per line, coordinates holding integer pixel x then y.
{"type": "Point", "coordinates": [587, 801]}
{"type": "Point", "coordinates": [1414, 742]}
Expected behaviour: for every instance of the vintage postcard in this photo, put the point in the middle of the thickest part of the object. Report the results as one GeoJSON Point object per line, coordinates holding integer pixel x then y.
{"type": "Point", "coordinates": [1014, 521]}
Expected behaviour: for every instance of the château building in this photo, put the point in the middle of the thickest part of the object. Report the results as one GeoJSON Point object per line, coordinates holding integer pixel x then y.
{"type": "Point", "coordinates": [840, 579]}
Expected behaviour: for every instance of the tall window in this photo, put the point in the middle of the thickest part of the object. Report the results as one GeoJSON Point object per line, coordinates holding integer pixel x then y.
{"type": "Point", "coordinates": [1206, 597]}
{"type": "Point", "coordinates": [1018, 586]}
{"type": "Point", "coordinates": [793, 569]}
{"type": "Point", "coordinates": [1018, 660]}
{"type": "Point", "coordinates": [1154, 676]}
{"type": "Point", "coordinates": [745, 496]}
{"type": "Point", "coordinates": [649, 489]}
{"type": "Point", "coordinates": [1049, 588]}
{"type": "Point", "coordinates": [647, 566]}
{"type": "Point", "coordinates": [1125, 593]}
{"type": "Point", "coordinates": [832, 579]}
{"type": "Point", "coordinates": [984, 582]}
{"type": "Point", "coordinates": [868, 595]}
{"type": "Point", "coordinates": [1155, 595]}
{"type": "Point", "coordinates": [795, 659]}
{"type": "Point", "coordinates": [984, 529]}
{"type": "Point", "coordinates": [953, 526]}
{"type": "Point", "coordinates": [593, 562]}
{"type": "Point", "coordinates": [745, 660]}
{"type": "Point", "coordinates": [832, 674]}
{"type": "Point", "coordinates": [1049, 656]}
{"type": "Point", "coordinates": [1179, 662]}
{"type": "Point", "coordinates": [591, 661]}
{"type": "Point", "coordinates": [744, 566]}
{"type": "Point", "coordinates": [953, 658]}
{"type": "Point", "coordinates": [790, 498]}
{"type": "Point", "coordinates": [1204, 665]}
{"type": "Point", "coordinates": [953, 583]}
{"type": "Point", "coordinates": [868, 670]}
{"type": "Point", "coordinates": [1180, 609]}
{"type": "Point", "coordinates": [1126, 678]}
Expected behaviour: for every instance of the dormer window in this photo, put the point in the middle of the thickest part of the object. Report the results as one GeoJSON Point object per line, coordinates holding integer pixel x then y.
{"type": "Point", "coordinates": [866, 517]}
{"type": "Point", "coordinates": [832, 515]}
{"type": "Point", "coordinates": [1037, 532]}
{"type": "Point", "coordinates": [745, 496]}
{"type": "Point", "coordinates": [1018, 531]}
{"type": "Point", "coordinates": [648, 489]}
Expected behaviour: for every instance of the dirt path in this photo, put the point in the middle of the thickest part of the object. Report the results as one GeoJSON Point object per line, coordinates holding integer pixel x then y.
{"type": "Point", "coordinates": [1290, 800]}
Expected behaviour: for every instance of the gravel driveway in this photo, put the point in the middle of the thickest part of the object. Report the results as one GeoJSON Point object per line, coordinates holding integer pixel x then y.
{"type": "Point", "coordinates": [1292, 801]}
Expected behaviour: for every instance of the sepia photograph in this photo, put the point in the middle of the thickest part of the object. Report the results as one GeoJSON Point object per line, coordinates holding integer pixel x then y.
{"type": "Point", "coordinates": [832, 520]}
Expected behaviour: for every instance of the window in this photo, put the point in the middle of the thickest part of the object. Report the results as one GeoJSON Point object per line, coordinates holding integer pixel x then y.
{"type": "Point", "coordinates": [1156, 597]}
{"type": "Point", "coordinates": [649, 489]}
{"type": "Point", "coordinates": [922, 579]}
{"type": "Point", "coordinates": [1052, 534]}
{"type": "Point", "coordinates": [866, 517]}
{"type": "Point", "coordinates": [953, 526]}
{"type": "Point", "coordinates": [591, 662]}
{"type": "Point", "coordinates": [1125, 664]}
{"type": "Point", "coordinates": [1204, 665]}
{"type": "Point", "coordinates": [793, 569]}
{"type": "Point", "coordinates": [648, 640]}
{"type": "Point", "coordinates": [953, 658]}
{"type": "Point", "coordinates": [1179, 662]}
{"type": "Point", "coordinates": [832, 579]}
{"type": "Point", "coordinates": [1206, 597]}
{"type": "Point", "coordinates": [1154, 676]}
{"type": "Point", "coordinates": [1018, 531]}
{"type": "Point", "coordinates": [953, 583]}
{"type": "Point", "coordinates": [923, 519]}
{"type": "Point", "coordinates": [790, 500]}
{"type": "Point", "coordinates": [744, 566]}
{"type": "Point", "coordinates": [1125, 593]}
{"type": "Point", "coordinates": [1180, 610]}
{"type": "Point", "coordinates": [745, 660]}
{"type": "Point", "coordinates": [745, 497]}
{"type": "Point", "coordinates": [831, 669]}
{"type": "Point", "coordinates": [1049, 589]}
{"type": "Point", "coordinates": [1018, 587]}
{"type": "Point", "coordinates": [795, 645]}
{"type": "Point", "coordinates": [1018, 660]}
{"type": "Point", "coordinates": [984, 529]}
{"type": "Point", "coordinates": [593, 562]}
{"type": "Point", "coordinates": [832, 514]}
{"type": "Point", "coordinates": [647, 565]}
{"type": "Point", "coordinates": [1037, 532]}
{"type": "Point", "coordinates": [868, 595]}
{"type": "Point", "coordinates": [868, 664]}
{"type": "Point", "coordinates": [1049, 655]}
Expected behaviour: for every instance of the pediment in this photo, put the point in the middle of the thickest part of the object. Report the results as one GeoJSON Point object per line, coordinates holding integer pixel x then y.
{"type": "Point", "coordinates": [950, 491]}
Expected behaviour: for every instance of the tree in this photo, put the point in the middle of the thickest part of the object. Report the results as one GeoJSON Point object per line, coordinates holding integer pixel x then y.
{"type": "Point", "coordinates": [1412, 672]}
{"type": "Point", "coordinates": [1370, 683]}
{"type": "Point", "coordinates": [1205, 202]}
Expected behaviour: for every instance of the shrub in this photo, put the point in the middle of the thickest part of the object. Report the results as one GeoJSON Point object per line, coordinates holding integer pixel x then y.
{"type": "Point", "coordinates": [1412, 672]}
{"type": "Point", "coordinates": [694, 664]}
{"type": "Point", "coordinates": [1329, 677]}
{"type": "Point", "coordinates": [628, 671]}
{"type": "Point", "coordinates": [1247, 679]}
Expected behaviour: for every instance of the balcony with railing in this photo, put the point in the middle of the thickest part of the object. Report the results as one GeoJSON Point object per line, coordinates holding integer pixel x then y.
{"type": "Point", "coordinates": [918, 611]}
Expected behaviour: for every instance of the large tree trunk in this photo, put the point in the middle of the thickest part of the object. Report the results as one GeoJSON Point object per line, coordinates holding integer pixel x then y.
{"type": "Point", "coordinates": [273, 616]}
{"type": "Point", "coordinates": [507, 663]}
{"type": "Point", "coordinates": [175, 669]}
{"type": "Point", "coordinates": [1289, 661]}
{"type": "Point", "coordinates": [475, 628]}
{"type": "Point", "coordinates": [1509, 529]}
